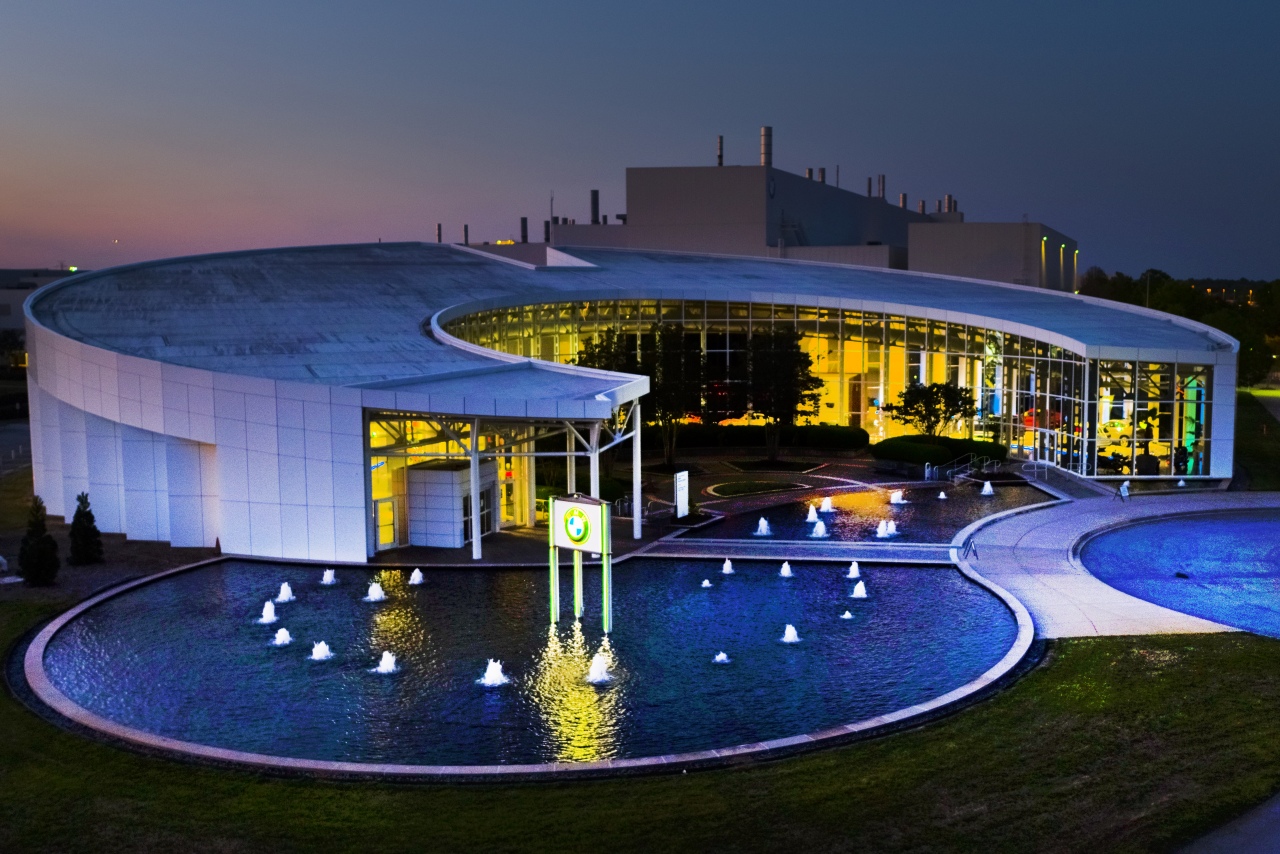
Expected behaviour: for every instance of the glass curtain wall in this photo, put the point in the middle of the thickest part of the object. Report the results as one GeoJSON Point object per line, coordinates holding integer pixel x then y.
{"type": "Point", "coordinates": [1043, 401]}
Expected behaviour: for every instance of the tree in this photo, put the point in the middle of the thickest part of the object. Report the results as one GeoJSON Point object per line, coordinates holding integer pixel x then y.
{"type": "Point", "coordinates": [676, 367]}
{"type": "Point", "coordinates": [86, 540]}
{"type": "Point", "coordinates": [671, 357]}
{"type": "Point", "coordinates": [781, 384]}
{"type": "Point", "coordinates": [931, 408]}
{"type": "Point", "coordinates": [38, 555]}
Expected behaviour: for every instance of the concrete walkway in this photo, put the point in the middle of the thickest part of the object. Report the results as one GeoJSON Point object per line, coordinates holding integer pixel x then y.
{"type": "Point", "coordinates": [1032, 555]}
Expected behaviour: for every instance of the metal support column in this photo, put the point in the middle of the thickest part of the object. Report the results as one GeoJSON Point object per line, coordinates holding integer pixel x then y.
{"type": "Point", "coordinates": [595, 460]}
{"type": "Point", "coordinates": [531, 484]}
{"type": "Point", "coordinates": [570, 463]}
{"type": "Point", "coordinates": [606, 575]}
{"type": "Point", "coordinates": [475, 490]}
{"type": "Point", "coordinates": [637, 508]}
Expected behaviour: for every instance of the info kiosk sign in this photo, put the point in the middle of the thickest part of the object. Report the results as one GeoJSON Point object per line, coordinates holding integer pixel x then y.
{"type": "Point", "coordinates": [581, 524]}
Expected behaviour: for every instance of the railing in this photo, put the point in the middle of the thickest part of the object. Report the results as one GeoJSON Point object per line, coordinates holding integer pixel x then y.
{"type": "Point", "coordinates": [960, 467]}
{"type": "Point", "coordinates": [1036, 470]}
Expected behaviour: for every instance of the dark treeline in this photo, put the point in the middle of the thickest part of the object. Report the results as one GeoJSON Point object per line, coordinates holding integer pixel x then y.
{"type": "Point", "coordinates": [1249, 311]}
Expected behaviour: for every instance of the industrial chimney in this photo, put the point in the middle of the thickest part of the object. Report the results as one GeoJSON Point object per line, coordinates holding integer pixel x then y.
{"type": "Point", "coordinates": [524, 229]}
{"type": "Point", "coordinates": [466, 235]}
{"type": "Point", "coordinates": [546, 231]}
{"type": "Point", "coordinates": [808, 173]}
{"type": "Point", "coordinates": [720, 150]}
{"type": "Point", "coordinates": [595, 207]}
{"type": "Point", "coordinates": [439, 232]}
{"type": "Point", "coordinates": [902, 200]}
{"type": "Point", "coordinates": [766, 146]}
{"type": "Point", "coordinates": [822, 174]}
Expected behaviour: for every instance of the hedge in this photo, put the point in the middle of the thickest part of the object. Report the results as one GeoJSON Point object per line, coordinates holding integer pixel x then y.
{"type": "Point", "coordinates": [936, 451]}
{"type": "Point", "coordinates": [821, 436]}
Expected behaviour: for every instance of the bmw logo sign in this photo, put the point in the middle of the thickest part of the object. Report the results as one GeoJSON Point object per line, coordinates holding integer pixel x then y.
{"type": "Point", "coordinates": [576, 526]}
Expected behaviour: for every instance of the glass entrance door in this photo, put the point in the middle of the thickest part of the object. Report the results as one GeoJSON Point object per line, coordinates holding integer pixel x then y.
{"type": "Point", "coordinates": [385, 517]}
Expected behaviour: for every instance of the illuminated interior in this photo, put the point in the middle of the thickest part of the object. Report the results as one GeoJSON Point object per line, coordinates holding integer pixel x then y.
{"type": "Point", "coordinates": [1046, 402]}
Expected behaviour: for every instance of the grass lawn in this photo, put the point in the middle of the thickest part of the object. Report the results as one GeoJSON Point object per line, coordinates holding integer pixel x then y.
{"type": "Point", "coordinates": [776, 465]}
{"type": "Point", "coordinates": [1257, 441]}
{"type": "Point", "coordinates": [749, 487]}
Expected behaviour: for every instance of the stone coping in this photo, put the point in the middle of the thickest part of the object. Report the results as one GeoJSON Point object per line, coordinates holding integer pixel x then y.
{"type": "Point", "coordinates": [44, 689]}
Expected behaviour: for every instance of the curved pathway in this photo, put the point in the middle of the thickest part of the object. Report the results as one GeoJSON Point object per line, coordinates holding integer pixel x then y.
{"type": "Point", "coordinates": [1031, 553]}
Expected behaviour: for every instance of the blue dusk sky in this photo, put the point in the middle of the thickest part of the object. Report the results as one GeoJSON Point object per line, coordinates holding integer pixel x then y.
{"type": "Point", "coordinates": [132, 130]}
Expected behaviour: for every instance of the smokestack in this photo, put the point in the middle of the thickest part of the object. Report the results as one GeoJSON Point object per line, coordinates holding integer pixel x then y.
{"type": "Point", "coordinates": [920, 206]}
{"type": "Point", "coordinates": [869, 193]}
{"type": "Point", "coordinates": [466, 235]}
{"type": "Point", "coordinates": [902, 200]}
{"type": "Point", "coordinates": [946, 203]}
{"type": "Point", "coordinates": [546, 230]}
{"type": "Point", "coordinates": [524, 229]}
{"type": "Point", "coordinates": [939, 206]}
{"type": "Point", "coordinates": [439, 233]}
{"type": "Point", "coordinates": [595, 207]}
{"type": "Point", "coordinates": [766, 146]}
{"type": "Point", "coordinates": [808, 173]}
{"type": "Point", "coordinates": [822, 174]}
{"type": "Point", "coordinates": [881, 193]}
{"type": "Point", "coordinates": [720, 150]}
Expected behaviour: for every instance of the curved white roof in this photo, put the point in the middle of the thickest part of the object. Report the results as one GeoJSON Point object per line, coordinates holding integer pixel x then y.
{"type": "Point", "coordinates": [359, 315]}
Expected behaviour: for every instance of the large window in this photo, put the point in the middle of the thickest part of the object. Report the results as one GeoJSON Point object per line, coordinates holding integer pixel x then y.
{"type": "Point", "coordinates": [1045, 402]}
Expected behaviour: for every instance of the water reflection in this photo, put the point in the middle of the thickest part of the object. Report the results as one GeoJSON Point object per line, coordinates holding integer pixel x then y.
{"type": "Point", "coordinates": [583, 721]}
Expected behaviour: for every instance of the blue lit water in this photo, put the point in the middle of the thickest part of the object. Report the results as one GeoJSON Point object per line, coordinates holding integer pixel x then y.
{"type": "Point", "coordinates": [1232, 560]}
{"type": "Point", "coordinates": [184, 658]}
{"type": "Point", "coordinates": [924, 519]}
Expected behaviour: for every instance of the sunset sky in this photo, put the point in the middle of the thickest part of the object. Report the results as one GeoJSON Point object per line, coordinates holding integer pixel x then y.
{"type": "Point", "coordinates": [133, 130]}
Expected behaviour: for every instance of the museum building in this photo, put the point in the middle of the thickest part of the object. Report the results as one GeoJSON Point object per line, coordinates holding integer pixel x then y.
{"type": "Point", "coordinates": [332, 402]}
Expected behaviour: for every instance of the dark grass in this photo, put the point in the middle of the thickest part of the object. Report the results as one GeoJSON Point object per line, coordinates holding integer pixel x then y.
{"type": "Point", "coordinates": [1257, 443]}
{"type": "Point", "coordinates": [1126, 744]}
{"type": "Point", "coordinates": [775, 465]}
{"type": "Point", "coordinates": [752, 487]}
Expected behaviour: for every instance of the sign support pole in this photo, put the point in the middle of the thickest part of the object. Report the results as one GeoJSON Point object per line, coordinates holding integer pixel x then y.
{"type": "Point", "coordinates": [555, 572]}
{"type": "Point", "coordinates": [577, 585]}
{"type": "Point", "coordinates": [606, 576]}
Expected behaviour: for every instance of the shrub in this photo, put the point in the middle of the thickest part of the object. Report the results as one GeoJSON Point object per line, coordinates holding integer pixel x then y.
{"type": "Point", "coordinates": [86, 540]}
{"type": "Point", "coordinates": [38, 555]}
{"type": "Point", "coordinates": [936, 451]}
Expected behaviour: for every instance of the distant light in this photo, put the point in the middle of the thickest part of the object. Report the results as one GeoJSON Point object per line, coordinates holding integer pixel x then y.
{"type": "Point", "coordinates": [1064, 246]}
{"type": "Point", "coordinates": [1043, 239]}
{"type": "Point", "coordinates": [504, 243]}
{"type": "Point", "coordinates": [72, 269]}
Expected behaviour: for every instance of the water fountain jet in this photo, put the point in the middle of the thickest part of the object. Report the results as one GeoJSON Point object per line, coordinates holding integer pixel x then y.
{"type": "Point", "coordinates": [853, 570]}
{"type": "Point", "coordinates": [376, 593]}
{"type": "Point", "coordinates": [285, 594]}
{"type": "Point", "coordinates": [387, 664]}
{"type": "Point", "coordinates": [820, 530]}
{"type": "Point", "coordinates": [785, 572]}
{"type": "Point", "coordinates": [727, 568]}
{"type": "Point", "coordinates": [789, 634]}
{"type": "Point", "coordinates": [268, 613]}
{"type": "Point", "coordinates": [415, 577]}
{"type": "Point", "coordinates": [942, 496]}
{"type": "Point", "coordinates": [847, 615]}
{"type": "Point", "coordinates": [763, 529]}
{"type": "Point", "coordinates": [282, 638]}
{"type": "Point", "coordinates": [706, 582]}
{"type": "Point", "coordinates": [321, 652]}
{"type": "Point", "coordinates": [895, 497]}
{"type": "Point", "coordinates": [987, 488]}
{"type": "Point", "coordinates": [598, 674]}
{"type": "Point", "coordinates": [329, 578]}
{"type": "Point", "coordinates": [493, 675]}
{"type": "Point", "coordinates": [720, 658]}
{"type": "Point", "coordinates": [826, 505]}
{"type": "Point", "coordinates": [859, 591]}
{"type": "Point", "coordinates": [813, 514]}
